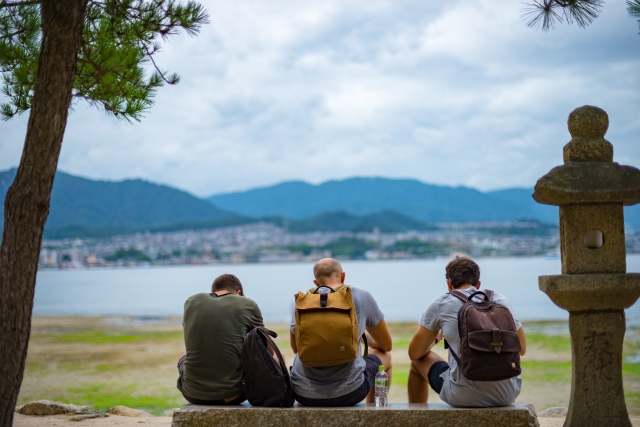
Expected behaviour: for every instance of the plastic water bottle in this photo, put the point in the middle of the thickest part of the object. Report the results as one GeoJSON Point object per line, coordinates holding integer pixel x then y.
{"type": "Point", "coordinates": [382, 386]}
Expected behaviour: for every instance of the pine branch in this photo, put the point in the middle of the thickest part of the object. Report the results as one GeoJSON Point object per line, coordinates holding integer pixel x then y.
{"type": "Point", "coordinates": [633, 7]}
{"type": "Point", "coordinates": [173, 79]}
{"type": "Point", "coordinates": [119, 37]}
{"type": "Point", "coordinates": [542, 14]}
{"type": "Point", "coordinates": [546, 13]}
{"type": "Point", "coordinates": [583, 12]}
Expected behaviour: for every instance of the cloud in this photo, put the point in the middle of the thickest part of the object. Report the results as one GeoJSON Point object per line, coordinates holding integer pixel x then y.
{"type": "Point", "coordinates": [457, 93]}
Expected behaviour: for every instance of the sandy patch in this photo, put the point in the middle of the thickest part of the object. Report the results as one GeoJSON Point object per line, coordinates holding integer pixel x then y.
{"type": "Point", "coordinates": [113, 420]}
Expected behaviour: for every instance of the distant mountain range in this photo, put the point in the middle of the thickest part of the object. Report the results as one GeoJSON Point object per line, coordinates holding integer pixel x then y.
{"type": "Point", "coordinates": [82, 207]}
{"type": "Point", "coordinates": [419, 201]}
{"type": "Point", "coordinates": [365, 196]}
{"type": "Point", "coordinates": [106, 208]}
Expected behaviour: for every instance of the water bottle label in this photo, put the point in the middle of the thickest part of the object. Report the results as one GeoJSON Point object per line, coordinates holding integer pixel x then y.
{"type": "Point", "coordinates": [381, 382]}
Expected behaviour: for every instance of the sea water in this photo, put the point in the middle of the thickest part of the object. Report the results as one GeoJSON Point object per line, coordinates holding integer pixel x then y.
{"type": "Point", "coordinates": [403, 288]}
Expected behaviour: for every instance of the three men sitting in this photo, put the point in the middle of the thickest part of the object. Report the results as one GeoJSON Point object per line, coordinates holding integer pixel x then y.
{"type": "Point", "coordinates": [215, 325]}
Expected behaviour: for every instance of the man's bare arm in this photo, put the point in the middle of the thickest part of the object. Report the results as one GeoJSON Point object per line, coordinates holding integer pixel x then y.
{"type": "Point", "coordinates": [523, 341]}
{"type": "Point", "coordinates": [381, 337]}
{"type": "Point", "coordinates": [422, 342]}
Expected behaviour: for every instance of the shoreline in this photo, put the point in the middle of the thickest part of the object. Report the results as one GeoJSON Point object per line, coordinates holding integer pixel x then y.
{"type": "Point", "coordinates": [292, 262]}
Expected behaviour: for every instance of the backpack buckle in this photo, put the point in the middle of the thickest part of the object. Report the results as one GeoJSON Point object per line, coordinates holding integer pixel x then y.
{"type": "Point", "coordinates": [323, 300]}
{"type": "Point", "coordinates": [496, 343]}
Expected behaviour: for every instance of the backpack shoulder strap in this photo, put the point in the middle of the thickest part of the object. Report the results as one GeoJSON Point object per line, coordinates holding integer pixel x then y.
{"type": "Point", "coordinates": [489, 294]}
{"type": "Point", "coordinates": [453, 353]}
{"type": "Point", "coordinates": [366, 346]}
{"type": "Point", "coordinates": [267, 334]}
{"type": "Point", "coordinates": [460, 295]}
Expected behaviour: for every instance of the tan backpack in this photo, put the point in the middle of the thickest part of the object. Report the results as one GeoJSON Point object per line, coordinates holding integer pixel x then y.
{"type": "Point", "coordinates": [327, 327]}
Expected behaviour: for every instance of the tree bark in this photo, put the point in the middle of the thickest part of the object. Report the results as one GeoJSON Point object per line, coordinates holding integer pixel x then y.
{"type": "Point", "coordinates": [27, 201]}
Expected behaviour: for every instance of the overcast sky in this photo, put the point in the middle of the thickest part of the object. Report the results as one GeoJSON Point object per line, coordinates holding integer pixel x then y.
{"type": "Point", "coordinates": [453, 93]}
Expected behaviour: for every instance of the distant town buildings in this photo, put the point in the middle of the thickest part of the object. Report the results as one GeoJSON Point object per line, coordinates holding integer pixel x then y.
{"type": "Point", "coordinates": [265, 242]}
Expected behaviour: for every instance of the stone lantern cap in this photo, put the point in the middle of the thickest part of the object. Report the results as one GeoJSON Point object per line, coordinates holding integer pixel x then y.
{"type": "Point", "coordinates": [589, 183]}
{"type": "Point", "coordinates": [589, 174]}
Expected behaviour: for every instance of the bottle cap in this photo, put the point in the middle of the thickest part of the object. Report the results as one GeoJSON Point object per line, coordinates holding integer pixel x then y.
{"type": "Point", "coordinates": [381, 368]}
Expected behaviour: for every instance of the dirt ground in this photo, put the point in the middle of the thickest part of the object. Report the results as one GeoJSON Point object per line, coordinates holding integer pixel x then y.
{"type": "Point", "coordinates": [62, 421]}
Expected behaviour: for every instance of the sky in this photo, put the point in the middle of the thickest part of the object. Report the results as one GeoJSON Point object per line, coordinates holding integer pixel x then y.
{"type": "Point", "coordinates": [449, 93]}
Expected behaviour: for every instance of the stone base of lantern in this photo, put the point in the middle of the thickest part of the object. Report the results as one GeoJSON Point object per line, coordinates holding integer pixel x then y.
{"type": "Point", "coordinates": [597, 395]}
{"type": "Point", "coordinates": [596, 304]}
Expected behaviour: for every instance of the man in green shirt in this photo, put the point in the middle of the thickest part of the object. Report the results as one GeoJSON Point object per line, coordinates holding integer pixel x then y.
{"type": "Point", "coordinates": [215, 325]}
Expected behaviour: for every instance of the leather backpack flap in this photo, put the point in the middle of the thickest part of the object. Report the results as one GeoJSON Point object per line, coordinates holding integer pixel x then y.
{"type": "Point", "coordinates": [338, 300]}
{"type": "Point", "coordinates": [490, 359]}
{"type": "Point", "coordinates": [494, 341]}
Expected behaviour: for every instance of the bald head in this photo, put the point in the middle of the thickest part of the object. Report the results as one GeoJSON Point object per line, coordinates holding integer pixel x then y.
{"type": "Point", "coordinates": [327, 270]}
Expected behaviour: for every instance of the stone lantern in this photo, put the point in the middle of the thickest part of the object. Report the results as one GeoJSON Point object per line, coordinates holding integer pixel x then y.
{"type": "Point", "coordinates": [590, 190]}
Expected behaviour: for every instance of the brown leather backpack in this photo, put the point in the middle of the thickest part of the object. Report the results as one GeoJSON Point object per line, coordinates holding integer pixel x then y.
{"type": "Point", "coordinates": [489, 342]}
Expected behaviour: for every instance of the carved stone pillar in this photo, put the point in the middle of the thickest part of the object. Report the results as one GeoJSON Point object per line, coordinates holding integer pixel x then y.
{"type": "Point", "coordinates": [590, 190]}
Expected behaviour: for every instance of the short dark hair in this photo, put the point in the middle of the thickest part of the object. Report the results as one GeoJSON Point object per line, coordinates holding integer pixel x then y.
{"type": "Point", "coordinates": [462, 270]}
{"type": "Point", "coordinates": [227, 282]}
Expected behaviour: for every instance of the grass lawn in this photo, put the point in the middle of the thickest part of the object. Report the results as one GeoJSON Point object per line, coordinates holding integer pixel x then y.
{"type": "Point", "coordinates": [104, 362]}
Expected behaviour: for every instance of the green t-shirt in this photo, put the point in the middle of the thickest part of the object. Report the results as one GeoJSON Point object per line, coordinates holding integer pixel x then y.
{"type": "Point", "coordinates": [214, 329]}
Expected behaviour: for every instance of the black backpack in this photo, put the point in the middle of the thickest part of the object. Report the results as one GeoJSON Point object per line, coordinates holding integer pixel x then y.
{"type": "Point", "coordinates": [489, 342]}
{"type": "Point", "coordinates": [265, 382]}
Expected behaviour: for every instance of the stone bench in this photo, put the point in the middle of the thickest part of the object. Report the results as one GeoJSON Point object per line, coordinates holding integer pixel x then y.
{"type": "Point", "coordinates": [362, 415]}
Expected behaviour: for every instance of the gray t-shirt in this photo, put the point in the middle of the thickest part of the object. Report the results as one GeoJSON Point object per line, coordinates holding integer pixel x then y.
{"type": "Point", "coordinates": [327, 382]}
{"type": "Point", "coordinates": [456, 389]}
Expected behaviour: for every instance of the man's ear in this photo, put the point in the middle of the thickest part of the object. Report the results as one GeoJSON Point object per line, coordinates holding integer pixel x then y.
{"type": "Point", "coordinates": [315, 282]}
{"type": "Point", "coordinates": [238, 292]}
{"type": "Point", "coordinates": [478, 285]}
{"type": "Point", "coordinates": [449, 285]}
{"type": "Point", "coordinates": [342, 276]}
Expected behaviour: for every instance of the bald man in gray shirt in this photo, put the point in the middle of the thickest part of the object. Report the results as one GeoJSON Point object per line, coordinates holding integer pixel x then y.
{"type": "Point", "coordinates": [350, 383]}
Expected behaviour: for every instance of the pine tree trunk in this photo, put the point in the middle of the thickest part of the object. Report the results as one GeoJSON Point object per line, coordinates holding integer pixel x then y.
{"type": "Point", "coordinates": [27, 201]}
